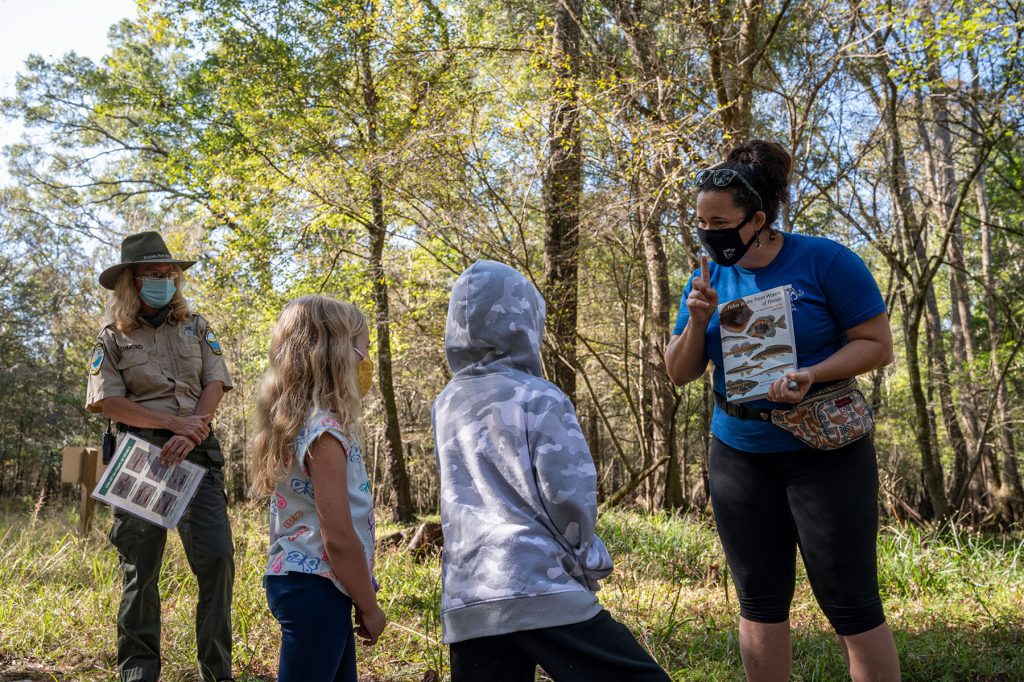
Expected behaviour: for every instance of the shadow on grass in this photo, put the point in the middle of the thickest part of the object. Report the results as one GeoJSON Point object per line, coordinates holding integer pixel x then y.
{"type": "Point", "coordinates": [986, 653]}
{"type": "Point", "coordinates": [994, 653]}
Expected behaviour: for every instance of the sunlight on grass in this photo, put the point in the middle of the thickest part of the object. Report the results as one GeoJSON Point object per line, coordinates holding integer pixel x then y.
{"type": "Point", "coordinates": [954, 600]}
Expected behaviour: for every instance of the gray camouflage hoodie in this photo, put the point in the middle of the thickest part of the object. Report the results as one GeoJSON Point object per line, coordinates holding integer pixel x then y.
{"type": "Point", "coordinates": [518, 485]}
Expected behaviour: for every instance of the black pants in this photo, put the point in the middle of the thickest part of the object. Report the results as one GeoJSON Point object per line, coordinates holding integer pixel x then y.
{"type": "Point", "coordinates": [826, 502]}
{"type": "Point", "coordinates": [592, 651]}
{"type": "Point", "coordinates": [206, 537]}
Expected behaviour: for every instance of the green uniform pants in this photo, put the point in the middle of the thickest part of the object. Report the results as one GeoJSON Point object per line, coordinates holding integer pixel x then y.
{"type": "Point", "coordinates": [206, 537]}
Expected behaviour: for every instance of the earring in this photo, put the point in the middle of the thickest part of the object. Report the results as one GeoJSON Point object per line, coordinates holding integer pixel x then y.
{"type": "Point", "coordinates": [758, 242]}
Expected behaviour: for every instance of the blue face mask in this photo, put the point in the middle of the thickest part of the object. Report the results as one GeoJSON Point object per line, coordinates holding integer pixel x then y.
{"type": "Point", "coordinates": [157, 293]}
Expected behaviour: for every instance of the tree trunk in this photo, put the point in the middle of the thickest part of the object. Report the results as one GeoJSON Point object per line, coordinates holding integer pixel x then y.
{"type": "Point", "coordinates": [663, 393]}
{"type": "Point", "coordinates": [911, 245]}
{"type": "Point", "coordinates": [658, 392]}
{"type": "Point", "coordinates": [940, 381]}
{"type": "Point", "coordinates": [707, 409]}
{"type": "Point", "coordinates": [377, 229]}
{"type": "Point", "coordinates": [563, 189]}
{"type": "Point", "coordinates": [1010, 490]}
{"type": "Point", "coordinates": [735, 48]}
{"type": "Point", "coordinates": [934, 129]}
{"type": "Point", "coordinates": [931, 466]}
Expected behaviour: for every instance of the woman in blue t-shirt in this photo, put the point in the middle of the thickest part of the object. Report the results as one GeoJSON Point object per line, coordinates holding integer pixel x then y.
{"type": "Point", "coordinates": [770, 492]}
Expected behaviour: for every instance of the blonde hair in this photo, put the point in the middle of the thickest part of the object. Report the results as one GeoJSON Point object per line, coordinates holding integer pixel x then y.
{"type": "Point", "coordinates": [311, 365]}
{"type": "Point", "coordinates": [124, 303]}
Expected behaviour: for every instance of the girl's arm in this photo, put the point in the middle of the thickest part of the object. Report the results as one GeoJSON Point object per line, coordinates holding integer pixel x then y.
{"type": "Point", "coordinates": [327, 461]}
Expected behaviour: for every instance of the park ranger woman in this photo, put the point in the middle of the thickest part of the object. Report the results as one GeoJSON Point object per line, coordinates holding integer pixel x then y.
{"type": "Point", "coordinates": [158, 371]}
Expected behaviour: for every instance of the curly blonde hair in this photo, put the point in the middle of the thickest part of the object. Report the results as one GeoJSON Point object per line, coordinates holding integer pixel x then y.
{"type": "Point", "coordinates": [124, 304]}
{"type": "Point", "coordinates": [311, 366]}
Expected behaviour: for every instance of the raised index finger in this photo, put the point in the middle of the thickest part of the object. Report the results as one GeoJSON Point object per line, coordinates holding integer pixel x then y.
{"type": "Point", "coordinates": [704, 274]}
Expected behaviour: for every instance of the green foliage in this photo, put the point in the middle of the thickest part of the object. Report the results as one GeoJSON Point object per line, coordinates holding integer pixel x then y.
{"type": "Point", "coordinates": [253, 135]}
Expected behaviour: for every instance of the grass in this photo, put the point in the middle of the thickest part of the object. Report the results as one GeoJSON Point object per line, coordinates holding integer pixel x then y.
{"type": "Point", "coordinates": [954, 599]}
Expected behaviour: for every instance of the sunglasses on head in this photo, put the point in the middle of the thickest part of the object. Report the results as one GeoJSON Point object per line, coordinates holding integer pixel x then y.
{"type": "Point", "coordinates": [723, 177]}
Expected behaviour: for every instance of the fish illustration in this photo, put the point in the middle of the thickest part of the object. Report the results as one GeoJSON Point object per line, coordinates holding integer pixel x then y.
{"type": "Point", "coordinates": [739, 337]}
{"type": "Point", "coordinates": [776, 368]}
{"type": "Point", "coordinates": [740, 386]}
{"type": "Point", "coordinates": [742, 348]}
{"type": "Point", "coordinates": [771, 352]}
{"type": "Point", "coordinates": [743, 369]}
{"type": "Point", "coordinates": [765, 326]}
{"type": "Point", "coordinates": [734, 315]}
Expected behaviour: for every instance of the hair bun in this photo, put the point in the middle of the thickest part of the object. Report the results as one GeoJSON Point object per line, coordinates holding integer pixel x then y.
{"type": "Point", "coordinates": [768, 166]}
{"type": "Point", "coordinates": [765, 157]}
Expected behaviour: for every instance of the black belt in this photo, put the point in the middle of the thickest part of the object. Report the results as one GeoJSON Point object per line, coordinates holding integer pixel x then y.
{"type": "Point", "coordinates": [741, 411]}
{"type": "Point", "coordinates": [744, 412]}
{"type": "Point", "coordinates": [144, 433]}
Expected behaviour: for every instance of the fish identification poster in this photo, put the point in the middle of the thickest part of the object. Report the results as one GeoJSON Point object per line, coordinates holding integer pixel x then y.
{"type": "Point", "coordinates": [757, 343]}
{"type": "Point", "coordinates": [140, 484]}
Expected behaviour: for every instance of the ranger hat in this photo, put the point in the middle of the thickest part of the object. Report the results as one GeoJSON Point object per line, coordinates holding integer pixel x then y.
{"type": "Point", "coordinates": [144, 247]}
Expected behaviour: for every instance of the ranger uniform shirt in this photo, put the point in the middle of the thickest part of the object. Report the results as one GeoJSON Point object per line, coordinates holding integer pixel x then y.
{"type": "Point", "coordinates": [164, 368]}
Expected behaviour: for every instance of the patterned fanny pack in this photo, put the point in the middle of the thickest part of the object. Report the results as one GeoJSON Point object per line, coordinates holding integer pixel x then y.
{"type": "Point", "coordinates": [831, 417]}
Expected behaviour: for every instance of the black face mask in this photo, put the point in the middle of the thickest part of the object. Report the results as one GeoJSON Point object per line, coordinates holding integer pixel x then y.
{"type": "Point", "coordinates": [725, 245]}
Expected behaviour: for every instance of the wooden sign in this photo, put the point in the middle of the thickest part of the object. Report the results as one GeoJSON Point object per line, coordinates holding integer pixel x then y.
{"type": "Point", "coordinates": [84, 467]}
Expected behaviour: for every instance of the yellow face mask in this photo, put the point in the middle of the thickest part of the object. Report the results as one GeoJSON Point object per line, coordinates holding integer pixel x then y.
{"type": "Point", "coordinates": [364, 371]}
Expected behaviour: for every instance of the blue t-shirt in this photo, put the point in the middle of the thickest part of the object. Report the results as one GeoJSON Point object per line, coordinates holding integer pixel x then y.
{"type": "Point", "coordinates": [832, 291]}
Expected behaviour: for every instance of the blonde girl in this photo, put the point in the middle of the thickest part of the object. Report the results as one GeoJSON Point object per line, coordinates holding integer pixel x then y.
{"type": "Point", "coordinates": [309, 439]}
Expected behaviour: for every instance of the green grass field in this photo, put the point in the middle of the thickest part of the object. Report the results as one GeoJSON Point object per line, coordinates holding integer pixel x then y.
{"type": "Point", "coordinates": [955, 601]}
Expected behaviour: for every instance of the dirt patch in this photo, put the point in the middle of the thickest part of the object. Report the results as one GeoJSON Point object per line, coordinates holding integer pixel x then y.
{"type": "Point", "coordinates": [25, 671]}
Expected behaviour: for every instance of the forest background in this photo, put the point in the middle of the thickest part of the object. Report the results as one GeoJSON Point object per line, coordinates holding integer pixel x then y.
{"type": "Point", "coordinates": [374, 149]}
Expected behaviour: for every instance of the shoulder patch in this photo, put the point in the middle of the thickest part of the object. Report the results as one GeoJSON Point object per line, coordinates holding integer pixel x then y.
{"type": "Point", "coordinates": [211, 339]}
{"type": "Point", "coordinates": [98, 355]}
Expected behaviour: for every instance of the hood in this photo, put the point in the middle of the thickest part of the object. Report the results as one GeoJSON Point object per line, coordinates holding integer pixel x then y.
{"type": "Point", "coordinates": [495, 315]}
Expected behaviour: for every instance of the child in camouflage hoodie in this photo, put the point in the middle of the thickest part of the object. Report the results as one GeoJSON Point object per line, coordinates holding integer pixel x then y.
{"type": "Point", "coordinates": [521, 562]}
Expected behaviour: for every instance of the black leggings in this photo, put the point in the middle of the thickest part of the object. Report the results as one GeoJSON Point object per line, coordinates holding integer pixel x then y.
{"type": "Point", "coordinates": [767, 504]}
